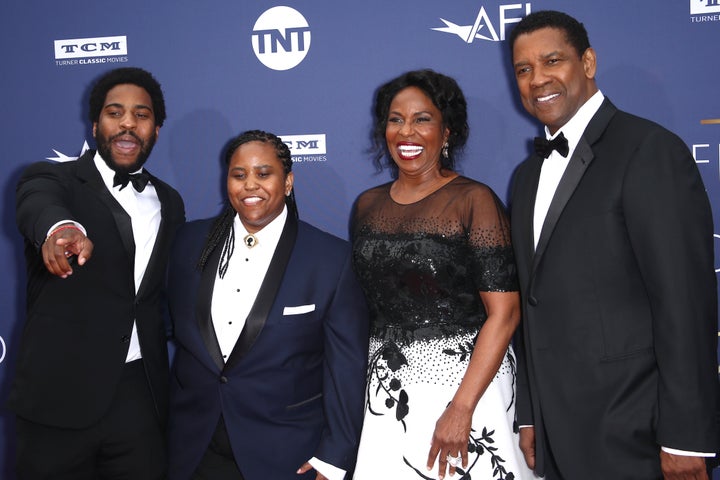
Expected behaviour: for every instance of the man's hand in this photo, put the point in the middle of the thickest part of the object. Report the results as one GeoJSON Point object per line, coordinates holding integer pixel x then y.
{"type": "Point", "coordinates": [682, 467]}
{"type": "Point", "coordinates": [64, 243]}
{"type": "Point", "coordinates": [306, 467]}
{"type": "Point", "coordinates": [527, 445]}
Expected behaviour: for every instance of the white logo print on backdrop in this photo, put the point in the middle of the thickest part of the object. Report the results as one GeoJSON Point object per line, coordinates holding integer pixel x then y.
{"type": "Point", "coordinates": [281, 38]}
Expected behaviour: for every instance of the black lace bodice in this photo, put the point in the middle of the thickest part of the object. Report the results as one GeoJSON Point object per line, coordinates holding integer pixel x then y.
{"type": "Point", "coordinates": [423, 265]}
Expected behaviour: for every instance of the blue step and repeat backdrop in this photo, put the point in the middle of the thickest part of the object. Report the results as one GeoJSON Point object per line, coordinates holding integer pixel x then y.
{"type": "Point", "coordinates": [307, 70]}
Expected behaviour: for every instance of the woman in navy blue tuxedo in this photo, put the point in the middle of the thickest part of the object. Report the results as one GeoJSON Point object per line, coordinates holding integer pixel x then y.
{"type": "Point", "coordinates": [272, 334]}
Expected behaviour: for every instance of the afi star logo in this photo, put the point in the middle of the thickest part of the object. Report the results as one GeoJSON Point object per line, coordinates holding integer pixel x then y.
{"type": "Point", "coordinates": [483, 27]}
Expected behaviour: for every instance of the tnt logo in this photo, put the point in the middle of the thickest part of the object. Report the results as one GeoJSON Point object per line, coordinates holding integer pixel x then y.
{"type": "Point", "coordinates": [704, 6]}
{"type": "Point", "coordinates": [483, 27]}
{"type": "Point", "coordinates": [90, 47]}
{"type": "Point", "coordinates": [305, 144]}
{"type": "Point", "coordinates": [281, 38]}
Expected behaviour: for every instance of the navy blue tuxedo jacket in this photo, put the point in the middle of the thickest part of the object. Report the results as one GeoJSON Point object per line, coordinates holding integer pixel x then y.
{"type": "Point", "coordinates": [293, 387]}
{"type": "Point", "coordinates": [76, 335]}
{"type": "Point", "coordinates": [619, 303]}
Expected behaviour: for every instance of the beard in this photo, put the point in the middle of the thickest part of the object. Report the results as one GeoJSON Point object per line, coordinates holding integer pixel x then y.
{"type": "Point", "coordinates": [104, 143]}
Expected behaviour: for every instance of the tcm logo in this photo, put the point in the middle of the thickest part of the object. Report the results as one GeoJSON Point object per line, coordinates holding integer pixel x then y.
{"type": "Point", "coordinates": [90, 47]}
{"type": "Point", "coordinates": [299, 145]}
{"type": "Point", "coordinates": [704, 6]}
{"type": "Point", "coordinates": [484, 28]}
{"type": "Point", "coordinates": [281, 38]}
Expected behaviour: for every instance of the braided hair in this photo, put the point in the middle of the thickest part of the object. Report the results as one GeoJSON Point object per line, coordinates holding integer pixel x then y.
{"type": "Point", "coordinates": [222, 229]}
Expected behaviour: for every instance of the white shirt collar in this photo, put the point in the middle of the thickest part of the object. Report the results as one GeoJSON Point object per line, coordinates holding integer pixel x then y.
{"type": "Point", "coordinates": [268, 237]}
{"type": "Point", "coordinates": [575, 127]}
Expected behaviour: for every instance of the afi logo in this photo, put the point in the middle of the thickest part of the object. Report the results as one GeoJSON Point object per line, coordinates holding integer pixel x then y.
{"type": "Point", "coordinates": [90, 47]}
{"type": "Point", "coordinates": [704, 6]}
{"type": "Point", "coordinates": [483, 27]}
{"type": "Point", "coordinates": [313, 144]}
{"type": "Point", "coordinates": [281, 38]}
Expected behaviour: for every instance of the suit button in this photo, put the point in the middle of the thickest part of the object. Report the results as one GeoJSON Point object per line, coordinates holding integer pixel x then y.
{"type": "Point", "coordinates": [223, 379]}
{"type": "Point", "coordinates": [532, 301]}
{"type": "Point", "coordinates": [125, 338]}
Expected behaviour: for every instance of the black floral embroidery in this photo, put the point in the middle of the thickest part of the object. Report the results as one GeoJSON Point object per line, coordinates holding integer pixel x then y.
{"type": "Point", "coordinates": [513, 373]}
{"type": "Point", "coordinates": [480, 446]}
{"type": "Point", "coordinates": [392, 361]}
{"type": "Point", "coordinates": [464, 350]}
{"type": "Point", "coordinates": [476, 448]}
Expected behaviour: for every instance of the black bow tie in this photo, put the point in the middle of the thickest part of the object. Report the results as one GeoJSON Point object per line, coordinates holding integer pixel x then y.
{"type": "Point", "coordinates": [138, 180]}
{"type": "Point", "coordinates": [544, 147]}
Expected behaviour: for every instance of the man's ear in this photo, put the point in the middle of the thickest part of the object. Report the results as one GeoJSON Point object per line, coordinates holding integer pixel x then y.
{"type": "Point", "coordinates": [589, 62]}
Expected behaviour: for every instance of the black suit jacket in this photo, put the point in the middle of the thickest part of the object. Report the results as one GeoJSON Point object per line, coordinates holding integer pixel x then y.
{"type": "Point", "coordinates": [77, 332]}
{"type": "Point", "coordinates": [619, 303]}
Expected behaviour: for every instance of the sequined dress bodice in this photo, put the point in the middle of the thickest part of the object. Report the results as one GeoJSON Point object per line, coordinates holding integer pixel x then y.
{"type": "Point", "coordinates": [423, 264]}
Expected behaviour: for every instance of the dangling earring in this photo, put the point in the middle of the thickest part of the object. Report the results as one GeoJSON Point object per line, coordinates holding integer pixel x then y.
{"type": "Point", "coordinates": [445, 149]}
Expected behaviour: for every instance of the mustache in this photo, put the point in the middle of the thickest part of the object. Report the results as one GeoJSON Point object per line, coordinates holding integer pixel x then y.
{"type": "Point", "coordinates": [128, 132]}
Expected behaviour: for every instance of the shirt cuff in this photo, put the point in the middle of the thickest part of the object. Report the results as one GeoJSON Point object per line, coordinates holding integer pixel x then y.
{"type": "Point", "coordinates": [686, 453]}
{"type": "Point", "coordinates": [82, 229]}
{"type": "Point", "coordinates": [330, 471]}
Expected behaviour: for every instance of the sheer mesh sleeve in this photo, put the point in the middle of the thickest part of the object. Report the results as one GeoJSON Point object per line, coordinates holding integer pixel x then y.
{"type": "Point", "coordinates": [492, 258]}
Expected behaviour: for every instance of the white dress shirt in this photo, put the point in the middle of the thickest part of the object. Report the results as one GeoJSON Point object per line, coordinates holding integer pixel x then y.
{"type": "Point", "coordinates": [145, 215]}
{"type": "Point", "coordinates": [554, 166]}
{"type": "Point", "coordinates": [235, 293]}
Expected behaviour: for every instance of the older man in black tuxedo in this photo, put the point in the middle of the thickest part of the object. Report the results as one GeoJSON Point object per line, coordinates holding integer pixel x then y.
{"type": "Point", "coordinates": [613, 238]}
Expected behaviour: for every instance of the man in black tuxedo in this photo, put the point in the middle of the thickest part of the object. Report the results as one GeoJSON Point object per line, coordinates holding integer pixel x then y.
{"type": "Point", "coordinates": [90, 391]}
{"type": "Point", "coordinates": [613, 238]}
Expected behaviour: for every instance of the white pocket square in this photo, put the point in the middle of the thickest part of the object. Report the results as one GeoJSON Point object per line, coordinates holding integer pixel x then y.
{"type": "Point", "coordinates": [300, 309]}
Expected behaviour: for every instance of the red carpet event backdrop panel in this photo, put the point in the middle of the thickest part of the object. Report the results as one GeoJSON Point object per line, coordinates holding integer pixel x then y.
{"type": "Point", "coordinates": [307, 70]}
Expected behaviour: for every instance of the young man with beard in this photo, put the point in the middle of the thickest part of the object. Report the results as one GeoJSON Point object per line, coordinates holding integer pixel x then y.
{"type": "Point", "coordinates": [90, 392]}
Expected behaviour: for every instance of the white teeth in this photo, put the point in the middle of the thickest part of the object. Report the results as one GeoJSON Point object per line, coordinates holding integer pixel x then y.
{"type": "Point", "coordinates": [549, 97]}
{"type": "Point", "coordinates": [410, 150]}
{"type": "Point", "coordinates": [251, 200]}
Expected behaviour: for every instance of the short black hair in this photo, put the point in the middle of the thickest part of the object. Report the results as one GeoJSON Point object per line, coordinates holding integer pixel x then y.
{"type": "Point", "coordinates": [122, 76]}
{"type": "Point", "coordinates": [575, 32]}
{"type": "Point", "coordinates": [445, 94]}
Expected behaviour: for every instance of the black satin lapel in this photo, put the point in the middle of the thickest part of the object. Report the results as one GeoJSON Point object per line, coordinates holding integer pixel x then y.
{"type": "Point", "coordinates": [599, 122]}
{"type": "Point", "coordinates": [266, 296]}
{"type": "Point", "coordinates": [87, 170]}
{"type": "Point", "coordinates": [528, 212]}
{"type": "Point", "coordinates": [203, 303]}
{"type": "Point", "coordinates": [581, 159]}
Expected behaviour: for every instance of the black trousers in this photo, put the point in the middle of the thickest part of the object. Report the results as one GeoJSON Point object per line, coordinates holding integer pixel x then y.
{"type": "Point", "coordinates": [127, 443]}
{"type": "Point", "coordinates": [218, 463]}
